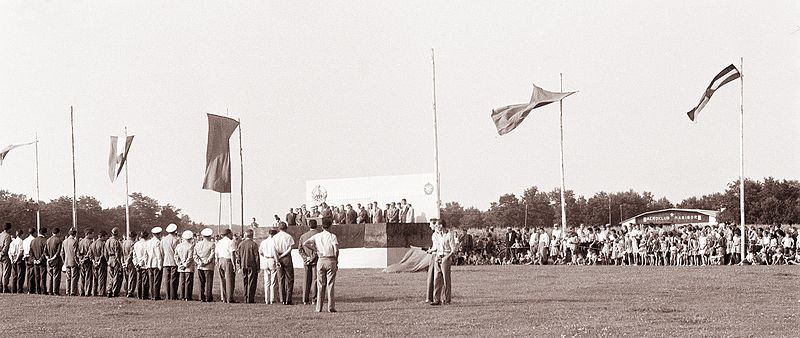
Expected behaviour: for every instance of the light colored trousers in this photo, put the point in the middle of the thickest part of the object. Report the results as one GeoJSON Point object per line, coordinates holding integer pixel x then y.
{"type": "Point", "coordinates": [270, 281]}
{"type": "Point", "coordinates": [326, 280]}
{"type": "Point", "coordinates": [441, 281]}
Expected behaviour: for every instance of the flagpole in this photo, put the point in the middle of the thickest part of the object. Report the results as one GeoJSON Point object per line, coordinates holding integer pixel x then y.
{"type": "Point", "coordinates": [561, 125]}
{"type": "Point", "coordinates": [219, 215]}
{"type": "Point", "coordinates": [127, 211]}
{"type": "Point", "coordinates": [230, 196]}
{"type": "Point", "coordinates": [436, 141]}
{"type": "Point", "coordinates": [38, 206]}
{"type": "Point", "coordinates": [741, 152]}
{"type": "Point", "coordinates": [241, 168]}
{"type": "Point", "coordinates": [74, 190]}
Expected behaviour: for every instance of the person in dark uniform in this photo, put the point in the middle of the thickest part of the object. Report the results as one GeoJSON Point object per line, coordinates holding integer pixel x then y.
{"type": "Point", "coordinates": [99, 264]}
{"type": "Point", "coordinates": [54, 262]}
{"type": "Point", "coordinates": [39, 261]}
{"type": "Point", "coordinates": [86, 281]}
{"type": "Point", "coordinates": [128, 268]}
{"type": "Point", "coordinates": [5, 261]}
{"type": "Point", "coordinates": [70, 254]}
{"type": "Point", "coordinates": [113, 254]}
{"type": "Point", "coordinates": [248, 263]}
{"type": "Point", "coordinates": [309, 264]}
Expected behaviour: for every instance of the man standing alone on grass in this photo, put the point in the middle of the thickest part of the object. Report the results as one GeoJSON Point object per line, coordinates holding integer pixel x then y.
{"type": "Point", "coordinates": [225, 252]}
{"type": "Point", "coordinates": [99, 263]}
{"type": "Point", "coordinates": [70, 253]}
{"type": "Point", "coordinates": [128, 268]}
{"type": "Point", "coordinates": [184, 253]}
{"type": "Point", "coordinates": [5, 261]}
{"type": "Point", "coordinates": [53, 253]}
{"type": "Point", "coordinates": [248, 263]}
{"type": "Point", "coordinates": [326, 247]}
{"type": "Point", "coordinates": [39, 260]}
{"type": "Point", "coordinates": [443, 246]}
{"type": "Point", "coordinates": [155, 262]}
{"type": "Point", "coordinates": [113, 254]}
{"type": "Point", "coordinates": [140, 263]}
{"type": "Point", "coordinates": [15, 254]}
{"type": "Point", "coordinates": [85, 260]}
{"type": "Point", "coordinates": [283, 243]}
{"type": "Point", "coordinates": [266, 251]}
{"type": "Point", "coordinates": [204, 258]}
{"type": "Point", "coordinates": [168, 244]}
{"type": "Point", "coordinates": [309, 264]}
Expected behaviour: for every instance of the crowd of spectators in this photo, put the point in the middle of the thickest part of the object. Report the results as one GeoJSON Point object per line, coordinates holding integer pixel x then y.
{"type": "Point", "coordinates": [686, 245]}
{"type": "Point", "coordinates": [394, 212]}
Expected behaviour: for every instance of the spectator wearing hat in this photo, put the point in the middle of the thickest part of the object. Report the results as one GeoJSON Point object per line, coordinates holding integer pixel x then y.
{"type": "Point", "coordinates": [140, 263]}
{"type": "Point", "coordinates": [266, 251]}
{"type": "Point", "coordinates": [204, 258]}
{"type": "Point", "coordinates": [99, 264]}
{"type": "Point", "coordinates": [247, 251]}
{"type": "Point", "coordinates": [184, 253]}
{"type": "Point", "coordinates": [15, 253]}
{"type": "Point", "coordinates": [326, 247]}
{"type": "Point", "coordinates": [39, 261]}
{"type": "Point", "coordinates": [155, 263]}
{"type": "Point", "coordinates": [69, 250]}
{"type": "Point", "coordinates": [128, 268]}
{"type": "Point", "coordinates": [113, 254]}
{"type": "Point", "coordinates": [5, 261]}
{"type": "Point", "coordinates": [283, 243]}
{"type": "Point", "coordinates": [309, 264]}
{"type": "Point", "coordinates": [168, 244]}
{"type": "Point", "coordinates": [225, 253]}
{"type": "Point", "coordinates": [54, 262]}
{"type": "Point", "coordinates": [86, 280]}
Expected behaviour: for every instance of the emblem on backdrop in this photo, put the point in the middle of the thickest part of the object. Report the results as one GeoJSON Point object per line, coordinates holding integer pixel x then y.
{"type": "Point", "coordinates": [428, 189]}
{"type": "Point", "coordinates": [319, 194]}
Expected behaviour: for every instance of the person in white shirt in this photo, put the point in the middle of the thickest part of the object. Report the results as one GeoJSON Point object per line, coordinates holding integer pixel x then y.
{"type": "Point", "coordinates": [410, 214]}
{"type": "Point", "coordinates": [283, 243]}
{"type": "Point", "coordinates": [268, 263]}
{"type": "Point", "coordinates": [225, 252]}
{"type": "Point", "coordinates": [544, 245]}
{"type": "Point", "coordinates": [15, 255]}
{"type": "Point", "coordinates": [326, 246]}
{"type": "Point", "coordinates": [168, 244]}
{"type": "Point", "coordinates": [140, 263]}
{"type": "Point", "coordinates": [184, 258]}
{"type": "Point", "coordinates": [204, 259]}
{"type": "Point", "coordinates": [26, 255]}
{"type": "Point", "coordinates": [443, 248]}
{"type": "Point", "coordinates": [155, 262]}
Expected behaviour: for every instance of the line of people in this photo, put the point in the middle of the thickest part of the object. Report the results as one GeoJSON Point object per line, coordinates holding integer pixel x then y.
{"type": "Point", "coordinates": [101, 265]}
{"type": "Point", "coordinates": [395, 212]}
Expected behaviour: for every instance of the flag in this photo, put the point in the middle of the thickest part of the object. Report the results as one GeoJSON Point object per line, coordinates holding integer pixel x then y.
{"type": "Point", "coordinates": [118, 155]}
{"type": "Point", "coordinates": [5, 150]}
{"type": "Point", "coordinates": [509, 117]}
{"type": "Point", "coordinates": [728, 74]}
{"type": "Point", "coordinates": [218, 154]}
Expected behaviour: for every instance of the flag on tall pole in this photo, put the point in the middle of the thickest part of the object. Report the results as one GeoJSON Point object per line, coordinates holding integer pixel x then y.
{"type": "Point", "coordinates": [728, 74]}
{"type": "Point", "coordinates": [509, 117]}
{"type": "Point", "coordinates": [118, 155]}
{"type": "Point", "coordinates": [218, 155]}
{"type": "Point", "coordinates": [5, 150]}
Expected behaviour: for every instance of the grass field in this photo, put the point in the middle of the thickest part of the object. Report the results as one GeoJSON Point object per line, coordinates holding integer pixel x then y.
{"type": "Point", "coordinates": [487, 301]}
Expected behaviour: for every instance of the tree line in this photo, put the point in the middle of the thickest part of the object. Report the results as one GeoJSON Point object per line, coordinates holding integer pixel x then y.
{"type": "Point", "coordinates": [766, 202]}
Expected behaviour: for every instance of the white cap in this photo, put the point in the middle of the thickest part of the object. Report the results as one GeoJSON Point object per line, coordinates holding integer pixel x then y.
{"type": "Point", "coordinates": [207, 232]}
{"type": "Point", "coordinates": [187, 234]}
{"type": "Point", "coordinates": [172, 228]}
{"type": "Point", "coordinates": [156, 230]}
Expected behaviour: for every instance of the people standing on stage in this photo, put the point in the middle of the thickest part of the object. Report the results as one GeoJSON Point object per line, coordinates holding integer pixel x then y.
{"type": "Point", "coordinates": [283, 243]}
{"type": "Point", "coordinates": [392, 214]}
{"type": "Point", "coordinates": [326, 214]}
{"type": "Point", "coordinates": [326, 247]}
{"type": "Point", "coordinates": [403, 210]}
{"type": "Point", "coordinates": [15, 254]}
{"type": "Point", "coordinates": [69, 251]}
{"type": "Point", "coordinates": [363, 215]}
{"type": "Point", "coordinates": [266, 251]}
{"type": "Point", "coordinates": [39, 261]}
{"type": "Point", "coordinates": [184, 257]}
{"type": "Point", "coordinates": [5, 261]}
{"type": "Point", "coordinates": [26, 252]}
{"type": "Point", "coordinates": [53, 253]}
{"type": "Point", "coordinates": [276, 220]}
{"type": "Point", "coordinates": [225, 253]}
{"type": "Point", "coordinates": [128, 268]}
{"type": "Point", "coordinates": [99, 264]}
{"type": "Point", "coordinates": [409, 213]}
{"type": "Point", "coordinates": [140, 264]}
{"type": "Point", "coordinates": [85, 284]}
{"type": "Point", "coordinates": [247, 250]}
{"type": "Point", "coordinates": [377, 213]}
{"type": "Point", "coordinates": [350, 215]}
{"type": "Point", "coordinates": [168, 244]}
{"type": "Point", "coordinates": [291, 217]}
{"type": "Point", "coordinates": [114, 256]}
{"type": "Point", "coordinates": [309, 264]}
{"type": "Point", "coordinates": [155, 263]}
{"type": "Point", "coordinates": [204, 258]}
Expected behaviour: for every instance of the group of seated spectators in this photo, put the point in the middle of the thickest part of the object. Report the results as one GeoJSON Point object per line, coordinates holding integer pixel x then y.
{"type": "Point", "coordinates": [394, 212]}
{"type": "Point", "coordinates": [684, 245]}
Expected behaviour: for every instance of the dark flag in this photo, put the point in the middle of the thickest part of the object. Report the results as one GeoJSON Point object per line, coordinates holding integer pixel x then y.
{"type": "Point", "coordinates": [509, 117]}
{"type": "Point", "coordinates": [117, 156]}
{"type": "Point", "coordinates": [218, 155]}
{"type": "Point", "coordinates": [728, 74]}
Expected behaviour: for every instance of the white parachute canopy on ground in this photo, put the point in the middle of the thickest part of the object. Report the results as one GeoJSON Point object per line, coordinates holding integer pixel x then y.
{"type": "Point", "coordinates": [415, 260]}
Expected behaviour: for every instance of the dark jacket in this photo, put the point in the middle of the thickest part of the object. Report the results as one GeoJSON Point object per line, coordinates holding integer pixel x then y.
{"type": "Point", "coordinates": [305, 252]}
{"type": "Point", "coordinates": [248, 254]}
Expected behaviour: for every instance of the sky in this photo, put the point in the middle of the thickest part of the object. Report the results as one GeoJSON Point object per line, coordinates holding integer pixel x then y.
{"type": "Point", "coordinates": [341, 89]}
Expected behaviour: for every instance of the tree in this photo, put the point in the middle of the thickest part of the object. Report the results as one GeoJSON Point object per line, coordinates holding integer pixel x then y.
{"type": "Point", "coordinates": [453, 213]}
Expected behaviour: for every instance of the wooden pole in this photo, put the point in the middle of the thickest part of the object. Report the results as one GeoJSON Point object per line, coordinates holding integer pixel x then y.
{"type": "Point", "coordinates": [74, 189]}
{"type": "Point", "coordinates": [436, 141]}
{"type": "Point", "coordinates": [561, 125]}
{"type": "Point", "coordinates": [38, 205]}
{"type": "Point", "coordinates": [741, 153]}
{"type": "Point", "coordinates": [241, 178]}
{"type": "Point", "coordinates": [127, 211]}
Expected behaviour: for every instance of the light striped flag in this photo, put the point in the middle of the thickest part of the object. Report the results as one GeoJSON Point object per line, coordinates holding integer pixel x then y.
{"type": "Point", "coordinates": [118, 155]}
{"type": "Point", "coordinates": [728, 74]}
{"type": "Point", "coordinates": [509, 117]}
{"type": "Point", "coordinates": [5, 150]}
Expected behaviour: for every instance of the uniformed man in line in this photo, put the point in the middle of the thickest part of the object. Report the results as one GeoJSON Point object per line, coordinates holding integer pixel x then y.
{"type": "Point", "coordinates": [54, 262]}
{"type": "Point", "coordinates": [86, 281]}
{"type": "Point", "coordinates": [247, 251]}
{"type": "Point", "coordinates": [5, 261]}
{"type": "Point", "coordinates": [113, 254]}
{"type": "Point", "coordinates": [155, 263]}
{"type": "Point", "coordinates": [309, 264]}
{"type": "Point", "coordinates": [26, 248]}
{"type": "Point", "coordinates": [283, 243]}
{"type": "Point", "coordinates": [15, 254]}
{"type": "Point", "coordinates": [39, 261]}
{"type": "Point", "coordinates": [69, 251]}
{"type": "Point", "coordinates": [140, 263]}
{"type": "Point", "coordinates": [128, 268]}
{"type": "Point", "coordinates": [326, 247]}
{"type": "Point", "coordinates": [184, 253]}
{"type": "Point", "coordinates": [225, 254]}
{"type": "Point", "coordinates": [99, 264]}
{"type": "Point", "coordinates": [168, 244]}
{"type": "Point", "coordinates": [204, 258]}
